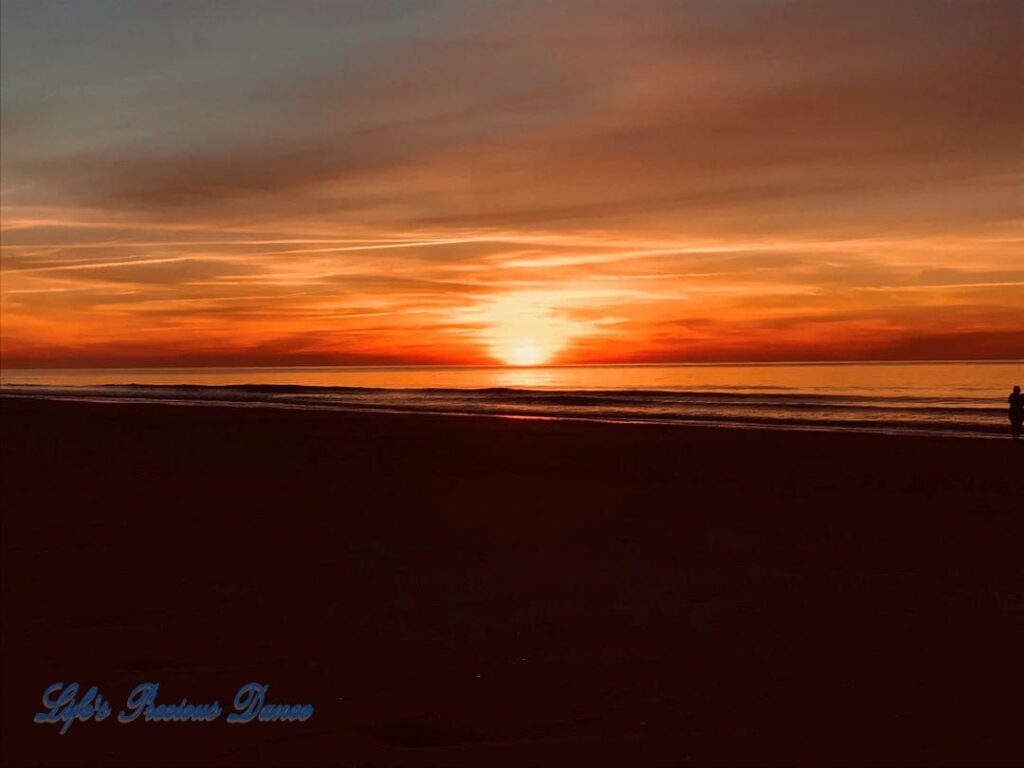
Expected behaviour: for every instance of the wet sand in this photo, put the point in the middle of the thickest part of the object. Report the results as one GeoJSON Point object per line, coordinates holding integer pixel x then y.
{"type": "Point", "coordinates": [482, 591]}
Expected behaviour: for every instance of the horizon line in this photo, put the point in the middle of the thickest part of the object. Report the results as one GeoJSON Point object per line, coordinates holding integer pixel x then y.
{"type": "Point", "coordinates": [422, 366]}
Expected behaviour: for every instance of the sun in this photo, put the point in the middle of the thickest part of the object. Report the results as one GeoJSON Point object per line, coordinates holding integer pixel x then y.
{"type": "Point", "coordinates": [524, 329]}
{"type": "Point", "coordinates": [524, 354]}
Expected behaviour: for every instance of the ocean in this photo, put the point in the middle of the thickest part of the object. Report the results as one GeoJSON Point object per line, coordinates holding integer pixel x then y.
{"type": "Point", "coordinates": [941, 398]}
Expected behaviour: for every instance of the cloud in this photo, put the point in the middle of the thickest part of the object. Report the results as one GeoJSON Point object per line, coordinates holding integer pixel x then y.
{"type": "Point", "coordinates": [690, 159]}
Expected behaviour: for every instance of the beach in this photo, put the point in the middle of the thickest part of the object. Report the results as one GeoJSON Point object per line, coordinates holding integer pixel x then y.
{"type": "Point", "coordinates": [476, 591]}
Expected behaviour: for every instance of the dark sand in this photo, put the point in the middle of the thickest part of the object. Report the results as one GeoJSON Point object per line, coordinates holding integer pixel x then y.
{"type": "Point", "coordinates": [473, 591]}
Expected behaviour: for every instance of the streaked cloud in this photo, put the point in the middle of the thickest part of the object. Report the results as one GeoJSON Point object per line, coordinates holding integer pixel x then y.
{"type": "Point", "coordinates": [270, 182]}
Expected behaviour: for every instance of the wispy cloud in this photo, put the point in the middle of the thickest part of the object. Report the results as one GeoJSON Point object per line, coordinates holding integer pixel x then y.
{"type": "Point", "coordinates": [692, 180]}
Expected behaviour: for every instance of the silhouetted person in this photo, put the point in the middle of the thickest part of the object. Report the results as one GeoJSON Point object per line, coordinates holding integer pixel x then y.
{"type": "Point", "coordinates": [1016, 412]}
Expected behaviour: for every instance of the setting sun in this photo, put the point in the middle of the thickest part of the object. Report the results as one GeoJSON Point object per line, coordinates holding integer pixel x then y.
{"type": "Point", "coordinates": [526, 353]}
{"type": "Point", "coordinates": [526, 328]}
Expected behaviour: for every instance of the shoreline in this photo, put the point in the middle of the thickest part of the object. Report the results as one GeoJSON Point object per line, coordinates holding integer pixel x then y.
{"type": "Point", "coordinates": [412, 411]}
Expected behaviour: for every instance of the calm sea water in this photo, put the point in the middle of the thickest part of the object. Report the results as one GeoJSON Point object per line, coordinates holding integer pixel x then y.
{"type": "Point", "coordinates": [954, 398]}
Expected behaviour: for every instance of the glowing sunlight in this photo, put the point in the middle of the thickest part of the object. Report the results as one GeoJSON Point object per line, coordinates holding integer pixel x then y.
{"type": "Point", "coordinates": [525, 329]}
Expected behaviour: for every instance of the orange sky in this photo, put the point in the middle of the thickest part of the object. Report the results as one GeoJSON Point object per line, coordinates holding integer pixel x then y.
{"type": "Point", "coordinates": [268, 183]}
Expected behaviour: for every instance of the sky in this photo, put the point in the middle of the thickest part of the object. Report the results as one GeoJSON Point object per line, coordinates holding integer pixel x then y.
{"type": "Point", "coordinates": [475, 182]}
